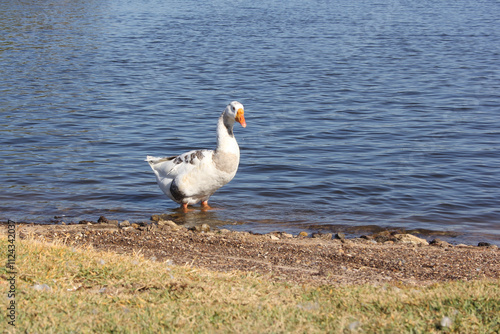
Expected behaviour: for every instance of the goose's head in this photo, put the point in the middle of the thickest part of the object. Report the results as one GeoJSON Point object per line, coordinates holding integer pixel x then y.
{"type": "Point", "coordinates": [235, 111]}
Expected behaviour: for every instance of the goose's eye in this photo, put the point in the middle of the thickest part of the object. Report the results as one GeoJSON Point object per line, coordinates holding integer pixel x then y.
{"type": "Point", "coordinates": [232, 108]}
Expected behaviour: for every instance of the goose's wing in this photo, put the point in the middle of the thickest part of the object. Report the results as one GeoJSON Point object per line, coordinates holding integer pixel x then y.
{"type": "Point", "coordinates": [170, 167]}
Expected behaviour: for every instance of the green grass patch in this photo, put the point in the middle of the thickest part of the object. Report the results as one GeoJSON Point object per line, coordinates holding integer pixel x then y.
{"type": "Point", "coordinates": [85, 291]}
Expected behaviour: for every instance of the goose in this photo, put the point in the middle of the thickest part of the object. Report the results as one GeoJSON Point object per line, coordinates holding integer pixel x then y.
{"type": "Point", "coordinates": [194, 176]}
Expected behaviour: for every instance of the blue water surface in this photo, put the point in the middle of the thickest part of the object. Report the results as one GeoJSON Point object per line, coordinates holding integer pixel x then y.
{"type": "Point", "coordinates": [361, 115]}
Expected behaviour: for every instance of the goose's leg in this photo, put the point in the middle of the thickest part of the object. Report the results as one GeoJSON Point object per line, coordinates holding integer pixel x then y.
{"type": "Point", "coordinates": [205, 206]}
{"type": "Point", "coordinates": [185, 207]}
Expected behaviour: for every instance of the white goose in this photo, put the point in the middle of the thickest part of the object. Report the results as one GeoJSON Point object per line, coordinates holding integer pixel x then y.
{"type": "Point", "coordinates": [194, 176]}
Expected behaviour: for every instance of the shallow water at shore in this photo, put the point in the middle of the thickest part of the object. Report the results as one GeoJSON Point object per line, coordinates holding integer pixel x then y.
{"type": "Point", "coordinates": [360, 116]}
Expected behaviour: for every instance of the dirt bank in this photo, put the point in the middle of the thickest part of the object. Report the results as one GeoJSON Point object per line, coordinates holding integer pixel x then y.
{"type": "Point", "coordinates": [386, 257]}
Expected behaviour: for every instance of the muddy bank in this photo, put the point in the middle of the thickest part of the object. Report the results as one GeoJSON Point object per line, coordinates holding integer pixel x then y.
{"type": "Point", "coordinates": [318, 259]}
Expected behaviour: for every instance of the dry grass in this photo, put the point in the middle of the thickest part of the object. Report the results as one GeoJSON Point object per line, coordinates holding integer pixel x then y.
{"type": "Point", "coordinates": [109, 293]}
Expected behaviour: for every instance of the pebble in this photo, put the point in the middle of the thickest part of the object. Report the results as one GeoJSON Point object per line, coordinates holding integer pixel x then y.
{"type": "Point", "coordinates": [83, 222]}
{"type": "Point", "coordinates": [127, 228]}
{"type": "Point", "coordinates": [439, 243]}
{"type": "Point", "coordinates": [483, 244]}
{"type": "Point", "coordinates": [286, 235]}
{"type": "Point", "coordinates": [308, 306]}
{"type": "Point", "coordinates": [41, 287]}
{"type": "Point", "coordinates": [102, 219]}
{"type": "Point", "coordinates": [446, 322]}
{"type": "Point", "coordinates": [204, 228]}
{"type": "Point", "coordinates": [200, 228]}
{"type": "Point", "coordinates": [124, 223]}
{"type": "Point", "coordinates": [303, 234]}
{"type": "Point", "coordinates": [157, 218]}
{"type": "Point", "coordinates": [134, 225]}
{"type": "Point", "coordinates": [353, 326]}
{"type": "Point", "coordinates": [224, 231]}
{"type": "Point", "coordinates": [170, 223]}
{"type": "Point", "coordinates": [410, 239]}
{"type": "Point", "coordinates": [340, 236]}
{"type": "Point", "coordinates": [273, 237]}
{"type": "Point", "coordinates": [324, 236]}
{"type": "Point", "coordinates": [383, 236]}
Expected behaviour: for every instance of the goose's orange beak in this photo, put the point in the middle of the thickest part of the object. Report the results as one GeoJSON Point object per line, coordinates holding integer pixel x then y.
{"type": "Point", "coordinates": [240, 118]}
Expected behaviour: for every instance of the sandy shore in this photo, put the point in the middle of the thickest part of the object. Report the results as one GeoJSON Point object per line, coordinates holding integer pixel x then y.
{"type": "Point", "coordinates": [322, 259]}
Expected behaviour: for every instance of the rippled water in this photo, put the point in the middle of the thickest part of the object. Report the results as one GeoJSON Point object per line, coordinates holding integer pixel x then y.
{"type": "Point", "coordinates": [361, 114]}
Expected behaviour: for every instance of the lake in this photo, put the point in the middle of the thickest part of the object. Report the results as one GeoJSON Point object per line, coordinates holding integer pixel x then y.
{"type": "Point", "coordinates": [362, 115]}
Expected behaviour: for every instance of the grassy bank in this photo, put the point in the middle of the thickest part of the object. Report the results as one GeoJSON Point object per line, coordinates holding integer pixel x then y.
{"type": "Point", "coordinates": [60, 289]}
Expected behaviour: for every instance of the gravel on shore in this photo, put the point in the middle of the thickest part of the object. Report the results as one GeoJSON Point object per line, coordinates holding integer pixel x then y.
{"type": "Point", "coordinates": [320, 259]}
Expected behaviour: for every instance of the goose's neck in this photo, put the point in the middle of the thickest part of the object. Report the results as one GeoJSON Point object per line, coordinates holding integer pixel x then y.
{"type": "Point", "coordinates": [226, 142]}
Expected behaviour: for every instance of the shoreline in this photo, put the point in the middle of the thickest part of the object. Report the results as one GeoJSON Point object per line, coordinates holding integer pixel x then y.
{"type": "Point", "coordinates": [192, 219]}
{"type": "Point", "coordinates": [320, 259]}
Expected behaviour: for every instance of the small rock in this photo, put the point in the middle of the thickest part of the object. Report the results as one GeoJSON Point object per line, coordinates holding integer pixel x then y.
{"type": "Point", "coordinates": [353, 326]}
{"type": "Point", "coordinates": [439, 243]}
{"type": "Point", "coordinates": [224, 231]}
{"type": "Point", "coordinates": [74, 288]}
{"type": "Point", "coordinates": [273, 237]}
{"type": "Point", "coordinates": [136, 226]}
{"type": "Point", "coordinates": [308, 306]}
{"type": "Point", "coordinates": [85, 222]}
{"type": "Point", "coordinates": [102, 219]}
{"type": "Point", "coordinates": [102, 262]}
{"type": "Point", "coordinates": [127, 228]}
{"type": "Point", "coordinates": [383, 236]}
{"type": "Point", "coordinates": [340, 236]}
{"type": "Point", "coordinates": [367, 237]}
{"type": "Point", "coordinates": [410, 239]}
{"type": "Point", "coordinates": [157, 218]}
{"type": "Point", "coordinates": [303, 234]}
{"type": "Point", "coordinates": [483, 244]}
{"type": "Point", "coordinates": [113, 222]}
{"type": "Point", "coordinates": [124, 223]}
{"type": "Point", "coordinates": [446, 322]}
{"type": "Point", "coordinates": [202, 228]}
{"type": "Point", "coordinates": [286, 235]}
{"type": "Point", "coordinates": [170, 223]}
{"type": "Point", "coordinates": [41, 287]}
{"type": "Point", "coordinates": [363, 240]}
{"type": "Point", "coordinates": [324, 236]}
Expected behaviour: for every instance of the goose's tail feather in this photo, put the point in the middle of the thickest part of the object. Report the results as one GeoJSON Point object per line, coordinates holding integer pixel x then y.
{"type": "Point", "coordinates": [154, 160]}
